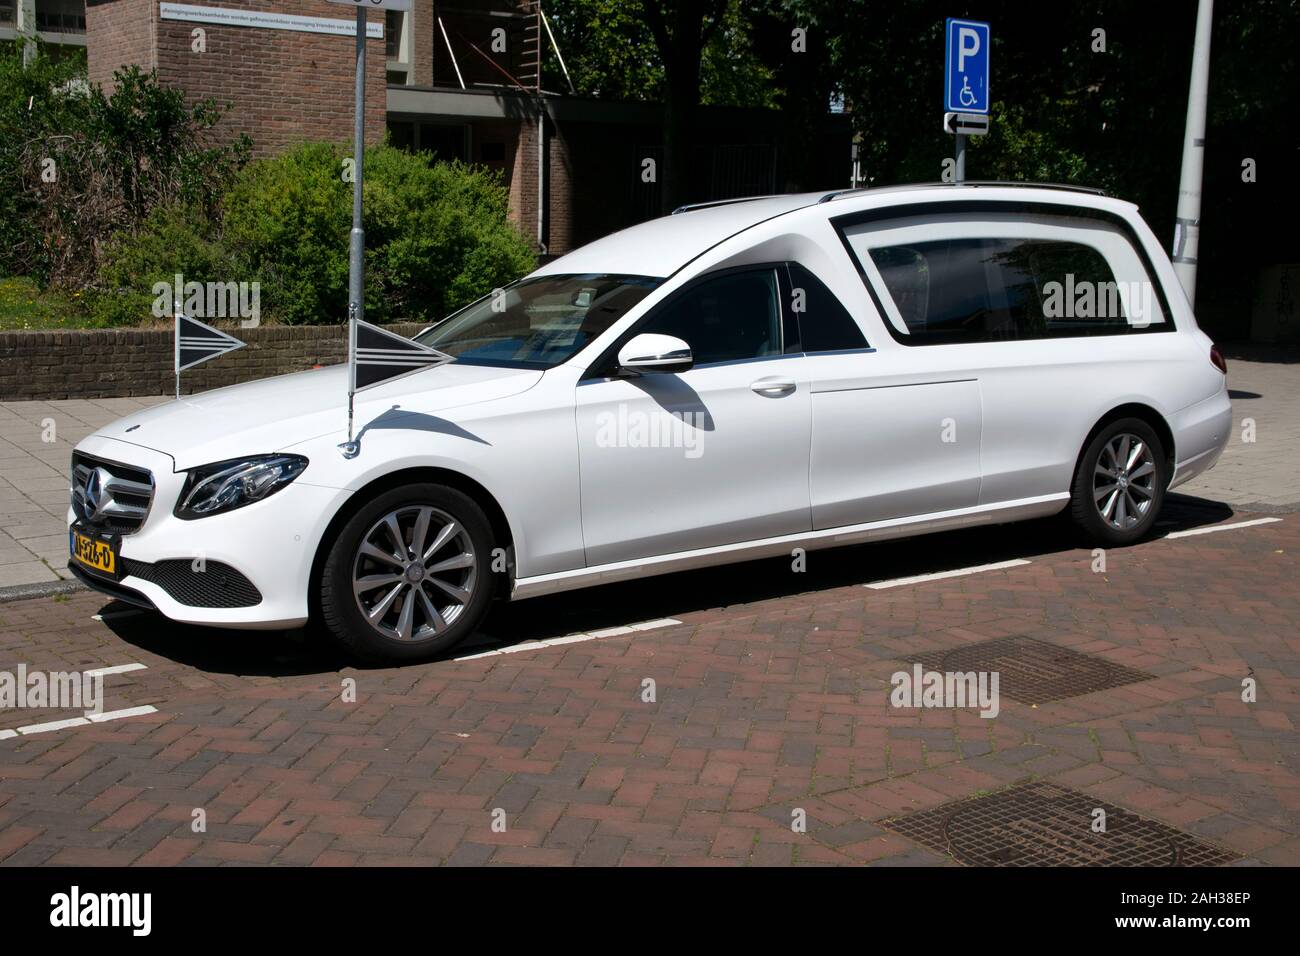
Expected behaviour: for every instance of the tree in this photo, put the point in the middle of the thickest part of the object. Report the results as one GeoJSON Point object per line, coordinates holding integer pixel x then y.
{"type": "Point", "coordinates": [681, 29]}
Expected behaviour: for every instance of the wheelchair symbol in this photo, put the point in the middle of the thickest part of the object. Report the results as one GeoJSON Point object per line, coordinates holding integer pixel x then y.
{"type": "Point", "coordinates": [966, 95]}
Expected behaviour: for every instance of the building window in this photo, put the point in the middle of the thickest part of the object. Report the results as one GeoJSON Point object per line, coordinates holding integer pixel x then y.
{"type": "Point", "coordinates": [58, 16]}
{"type": "Point", "coordinates": [397, 46]}
{"type": "Point", "coordinates": [444, 141]}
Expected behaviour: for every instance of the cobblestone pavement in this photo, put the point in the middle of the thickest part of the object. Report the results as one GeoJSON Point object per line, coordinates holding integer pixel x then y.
{"type": "Point", "coordinates": [770, 696]}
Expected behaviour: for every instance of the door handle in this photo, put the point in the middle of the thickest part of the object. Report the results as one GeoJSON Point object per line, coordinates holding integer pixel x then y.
{"type": "Point", "coordinates": [773, 387]}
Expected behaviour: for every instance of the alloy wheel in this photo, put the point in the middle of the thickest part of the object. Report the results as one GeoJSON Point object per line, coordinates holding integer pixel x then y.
{"type": "Point", "coordinates": [414, 573]}
{"type": "Point", "coordinates": [1124, 481]}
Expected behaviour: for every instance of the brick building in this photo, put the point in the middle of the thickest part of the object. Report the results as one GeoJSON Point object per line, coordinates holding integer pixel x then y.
{"type": "Point", "coordinates": [460, 79]}
{"type": "Point", "coordinates": [283, 85]}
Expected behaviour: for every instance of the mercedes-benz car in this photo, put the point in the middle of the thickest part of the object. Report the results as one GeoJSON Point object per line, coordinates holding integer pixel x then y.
{"type": "Point", "coordinates": [731, 382]}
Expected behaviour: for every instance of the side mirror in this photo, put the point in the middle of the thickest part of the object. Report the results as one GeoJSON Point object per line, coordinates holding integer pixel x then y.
{"type": "Point", "coordinates": [651, 352]}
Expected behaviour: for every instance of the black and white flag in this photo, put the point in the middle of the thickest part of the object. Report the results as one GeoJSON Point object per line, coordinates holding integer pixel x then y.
{"type": "Point", "coordinates": [196, 343]}
{"type": "Point", "coordinates": [378, 356]}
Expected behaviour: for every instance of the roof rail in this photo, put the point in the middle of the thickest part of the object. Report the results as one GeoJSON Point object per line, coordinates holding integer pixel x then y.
{"type": "Point", "coordinates": [691, 207]}
{"type": "Point", "coordinates": [842, 192]}
{"type": "Point", "coordinates": [1066, 187]}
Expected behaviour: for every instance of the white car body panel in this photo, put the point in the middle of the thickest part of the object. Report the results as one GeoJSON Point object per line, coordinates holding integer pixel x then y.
{"type": "Point", "coordinates": [852, 452]}
{"type": "Point", "coordinates": [740, 489]}
{"type": "Point", "coordinates": [879, 450]}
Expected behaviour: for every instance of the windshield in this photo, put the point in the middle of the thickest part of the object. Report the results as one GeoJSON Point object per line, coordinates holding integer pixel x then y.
{"type": "Point", "coordinates": [537, 323]}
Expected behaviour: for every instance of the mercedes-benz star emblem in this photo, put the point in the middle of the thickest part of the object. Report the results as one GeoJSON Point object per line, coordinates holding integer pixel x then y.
{"type": "Point", "coordinates": [96, 498]}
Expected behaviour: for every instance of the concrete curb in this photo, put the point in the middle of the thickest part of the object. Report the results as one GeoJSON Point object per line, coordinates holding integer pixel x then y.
{"type": "Point", "coordinates": [23, 592]}
{"type": "Point", "coordinates": [1269, 509]}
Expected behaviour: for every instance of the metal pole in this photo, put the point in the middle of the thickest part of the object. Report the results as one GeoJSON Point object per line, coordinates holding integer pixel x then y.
{"type": "Point", "coordinates": [25, 21]}
{"type": "Point", "coordinates": [541, 175]}
{"type": "Point", "coordinates": [357, 239]}
{"type": "Point", "coordinates": [959, 174]}
{"type": "Point", "coordinates": [460, 79]}
{"type": "Point", "coordinates": [1187, 227]}
{"type": "Point", "coordinates": [176, 359]}
{"type": "Point", "coordinates": [558, 55]}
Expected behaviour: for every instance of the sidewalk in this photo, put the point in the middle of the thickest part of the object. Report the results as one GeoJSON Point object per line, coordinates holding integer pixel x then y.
{"type": "Point", "coordinates": [34, 480]}
{"type": "Point", "coordinates": [1263, 475]}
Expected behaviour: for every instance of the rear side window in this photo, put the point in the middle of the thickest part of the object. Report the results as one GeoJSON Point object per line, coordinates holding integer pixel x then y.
{"type": "Point", "coordinates": [821, 323]}
{"type": "Point", "coordinates": [986, 283]}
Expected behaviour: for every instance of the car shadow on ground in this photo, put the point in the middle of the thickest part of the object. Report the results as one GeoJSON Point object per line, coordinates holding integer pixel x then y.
{"type": "Point", "coordinates": [304, 652]}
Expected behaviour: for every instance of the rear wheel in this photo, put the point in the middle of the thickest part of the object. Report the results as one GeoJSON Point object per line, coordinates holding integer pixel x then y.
{"type": "Point", "coordinates": [408, 576]}
{"type": "Point", "coordinates": [1120, 484]}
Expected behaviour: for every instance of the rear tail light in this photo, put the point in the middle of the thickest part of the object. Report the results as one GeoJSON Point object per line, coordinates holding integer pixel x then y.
{"type": "Point", "coordinates": [1217, 360]}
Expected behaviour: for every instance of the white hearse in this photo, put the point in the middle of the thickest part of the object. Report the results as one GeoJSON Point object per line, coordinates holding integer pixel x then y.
{"type": "Point", "coordinates": [726, 383]}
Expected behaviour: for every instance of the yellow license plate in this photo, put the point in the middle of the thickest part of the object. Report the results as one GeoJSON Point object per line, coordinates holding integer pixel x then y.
{"type": "Point", "coordinates": [94, 553]}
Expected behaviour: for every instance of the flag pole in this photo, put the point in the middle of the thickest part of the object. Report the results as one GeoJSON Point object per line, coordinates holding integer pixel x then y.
{"type": "Point", "coordinates": [357, 238]}
{"type": "Point", "coordinates": [176, 356]}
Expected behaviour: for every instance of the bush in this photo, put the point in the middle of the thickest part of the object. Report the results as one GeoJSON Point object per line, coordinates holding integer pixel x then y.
{"type": "Point", "coordinates": [34, 101]}
{"type": "Point", "coordinates": [78, 165]}
{"type": "Point", "coordinates": [436, 234]}
{"type": "Point", "coordinates": [436, 238]}
{"type": "Point", "coordinates": [178, 238]}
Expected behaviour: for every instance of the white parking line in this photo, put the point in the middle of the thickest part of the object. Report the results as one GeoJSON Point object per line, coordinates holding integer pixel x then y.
{"type": "Point", "coordinates": [120, 714]}
{"type": "Point", "coordinates": [116, 669]}
{"type": "Point", "coordinates": [939, 575]}
{"type": "Point", "coordinates": [573, 638]}
{"type": "Point", "coordinates": [89, 719]}
{"type": "Point", "coordinates": [53, 725]}
{"type": "Point", "coordinates": [1222, 527]}
{"type": "Point", "coordinates": [80, 721]}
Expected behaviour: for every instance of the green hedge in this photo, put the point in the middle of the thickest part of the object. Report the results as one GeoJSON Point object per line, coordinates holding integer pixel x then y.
{"type": "Point", "coordinates": [437, 238]}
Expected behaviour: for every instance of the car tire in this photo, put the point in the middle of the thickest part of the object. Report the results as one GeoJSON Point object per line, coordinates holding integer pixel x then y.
{"type": "Point", "coordinates": [1116, 502]}
{"type": "Point", "coordinates": [382, 601]}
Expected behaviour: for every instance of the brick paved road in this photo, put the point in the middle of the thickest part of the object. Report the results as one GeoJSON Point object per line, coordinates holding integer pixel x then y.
{"type": "Point", "coordinates": [771, 695]}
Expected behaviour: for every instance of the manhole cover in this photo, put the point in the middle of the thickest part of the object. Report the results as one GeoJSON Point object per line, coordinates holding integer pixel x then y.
{"type": "Point", "coordinates": [1041, 824]}
{"type": "Point", "coordinates": [1033, 671]}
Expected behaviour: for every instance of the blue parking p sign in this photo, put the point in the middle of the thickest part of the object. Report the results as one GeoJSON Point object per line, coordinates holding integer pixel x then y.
{"type": "Point", "coordinates": [966, 71]}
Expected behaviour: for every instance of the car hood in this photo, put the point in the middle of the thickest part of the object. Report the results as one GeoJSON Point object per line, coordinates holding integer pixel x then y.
{"type": "Point", "coordinates": [275, 413]}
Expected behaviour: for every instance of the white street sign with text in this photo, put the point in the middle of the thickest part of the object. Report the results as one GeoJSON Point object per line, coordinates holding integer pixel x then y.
{"type": "Point", "coordinates": [374, 4]}
{"type": "Point", "coordinates": [230, 17]}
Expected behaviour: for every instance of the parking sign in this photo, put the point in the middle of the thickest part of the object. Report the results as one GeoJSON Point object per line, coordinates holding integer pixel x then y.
{"type": "Point", "coordinates": [966, 72]}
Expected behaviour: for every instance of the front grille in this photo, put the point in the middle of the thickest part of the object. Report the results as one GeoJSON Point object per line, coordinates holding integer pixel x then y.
{"type": "Point", "coordinates": [109, 587]}
{"type": "Point", "coordinates": [121, 494]}
{"type": "Point", "coordinates": [217, 585]}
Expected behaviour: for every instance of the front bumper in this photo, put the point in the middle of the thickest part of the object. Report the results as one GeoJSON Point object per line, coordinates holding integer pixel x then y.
{"type": "Point", "coordinates": [265, 550]}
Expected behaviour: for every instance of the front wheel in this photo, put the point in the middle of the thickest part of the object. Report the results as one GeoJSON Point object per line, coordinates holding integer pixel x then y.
{"type": "Point", "coordinates": [1120, 484]}
{"type": "Point", "coordinates": [408, 576]}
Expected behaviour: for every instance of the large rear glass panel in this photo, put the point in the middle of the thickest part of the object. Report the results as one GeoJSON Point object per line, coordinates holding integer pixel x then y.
{"type": "Point", "coordinates": [962, 280]}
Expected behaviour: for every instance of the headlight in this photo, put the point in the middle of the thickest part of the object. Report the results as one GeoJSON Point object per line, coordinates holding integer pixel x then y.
{"type": "Point", "coordinates": [227, 485]}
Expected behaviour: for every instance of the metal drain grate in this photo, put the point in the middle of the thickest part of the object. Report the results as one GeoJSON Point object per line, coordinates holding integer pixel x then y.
{"type": "Point", "coordinates": [1041, 824]}
{"type": "Point", "coordinates": [1033, 671]}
